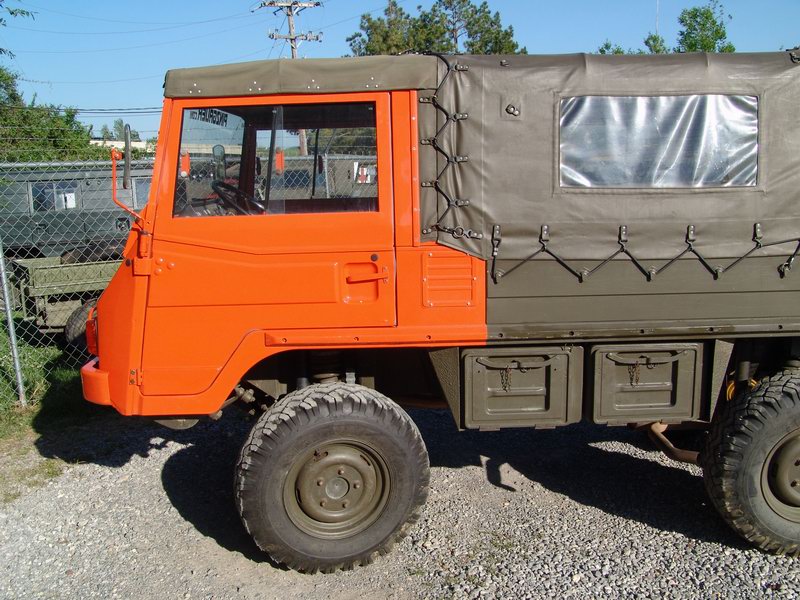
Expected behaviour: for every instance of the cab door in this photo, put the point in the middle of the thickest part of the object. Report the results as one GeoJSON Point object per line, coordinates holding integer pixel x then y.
{"type": "Point", "coordinates": [279, 218]}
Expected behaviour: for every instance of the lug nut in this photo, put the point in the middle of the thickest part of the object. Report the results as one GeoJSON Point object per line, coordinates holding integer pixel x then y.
{"type": "Point", "coordinates": [340, 471]}
{"type": "Point", "coordinates": [345, 504]}
{"type": "Point", "coordinates": [794, 484]}
{"type": "Point", "coordinates": [356, 485]}
{"type": "Point", "coordinates": [322, 503]}
{"type": "Point", "coordinates": [320, 481]}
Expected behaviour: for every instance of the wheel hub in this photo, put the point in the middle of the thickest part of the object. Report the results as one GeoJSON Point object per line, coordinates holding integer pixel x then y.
{"type": "Point", "coordinates": [781, 476]}
{"type": "Point", "coordinates": [336, 490]}
{"type": "Point", "coordinates": [787, 472]}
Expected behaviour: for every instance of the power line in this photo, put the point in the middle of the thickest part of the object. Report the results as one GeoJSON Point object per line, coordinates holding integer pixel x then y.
{"type": "Point", "coordinates": [161, 75]}
{"type": "Point", "coordinates": [66, 14]}
{"type": "Point", "coordinates": [291, 8]}
{"type": "Point", "coordinates": [354, 17]}
{"type": "Point", "coordinates": [275, 41]}
{"type": "Point", "coordinates": [82, 33]}
{"type": "Point", "coordinates": [86, 110]}
{"type": "Point", "coordinates": [47, 82]}
{"type": "Point", "coordinates": [108, 50]}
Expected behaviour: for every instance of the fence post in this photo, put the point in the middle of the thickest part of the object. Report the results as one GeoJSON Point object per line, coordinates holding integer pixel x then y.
{"type": "Point", "coordinates": [12, 334]}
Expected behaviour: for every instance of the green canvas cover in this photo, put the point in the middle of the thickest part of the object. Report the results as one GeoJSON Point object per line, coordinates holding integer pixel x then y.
{"type": "Point", "coordinates": [305, 76]}
{"type": "Point", "coordinates": [498, 157]}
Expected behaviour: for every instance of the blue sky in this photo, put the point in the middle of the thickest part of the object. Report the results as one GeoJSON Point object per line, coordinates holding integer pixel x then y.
{"type": "Point", "coordinates": [93, 54]}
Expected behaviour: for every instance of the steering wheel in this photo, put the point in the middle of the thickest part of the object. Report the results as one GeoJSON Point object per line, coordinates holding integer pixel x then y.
{"type": "Point", "coordinates": [233, 197]}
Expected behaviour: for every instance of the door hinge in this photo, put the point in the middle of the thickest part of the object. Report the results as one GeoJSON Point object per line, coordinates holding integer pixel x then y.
{"type": "Point", "coordinates": [135, 377]}
{"type": "Point", "coordinates": [142, 266]}
{"type": "Point", "coordinates": [144, 245]}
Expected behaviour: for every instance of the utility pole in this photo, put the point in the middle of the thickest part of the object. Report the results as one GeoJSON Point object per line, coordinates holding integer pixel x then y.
{"type": "Point", "coordinates": [291, 8]}
{"type": "Point", "coordinates": [657, 1]}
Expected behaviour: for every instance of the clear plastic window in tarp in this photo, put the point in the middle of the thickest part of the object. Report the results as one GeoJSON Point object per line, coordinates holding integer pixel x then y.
{"type": "Point", "coordinates": [692, 141]}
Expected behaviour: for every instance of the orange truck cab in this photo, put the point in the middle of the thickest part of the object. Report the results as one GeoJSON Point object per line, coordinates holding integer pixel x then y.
{"type": "Point", "coordinates": [538, 240]}
{"type": "Point", "coordinates": [282, 252]}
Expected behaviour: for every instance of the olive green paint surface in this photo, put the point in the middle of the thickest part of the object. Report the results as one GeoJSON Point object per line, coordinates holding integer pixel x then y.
{"type": "Point", "coordinates": [646, 382]}
{"type": "Point", "coordinates": [307, 76]}
{"type": "Point", "coordinates": [522, 387]}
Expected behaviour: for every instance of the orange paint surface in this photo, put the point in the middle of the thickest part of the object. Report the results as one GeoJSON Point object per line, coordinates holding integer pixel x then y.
{"type": "Point", "coordinates": [202, 300]}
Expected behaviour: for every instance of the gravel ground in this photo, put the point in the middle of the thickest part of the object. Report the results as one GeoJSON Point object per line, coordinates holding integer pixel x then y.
{"type": "Point", "coordinates": [576, 512]}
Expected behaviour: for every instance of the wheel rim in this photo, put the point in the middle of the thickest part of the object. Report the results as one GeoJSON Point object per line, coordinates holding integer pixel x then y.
{"type": "Point", "coordinates": [780, 477]}
{"type": "Point", "coordinates": [337, 489]}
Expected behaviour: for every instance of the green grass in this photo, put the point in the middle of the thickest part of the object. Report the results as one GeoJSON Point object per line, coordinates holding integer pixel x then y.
{"type": "Point", "coordinates": [51, 383]}
{"type": "Point", "coordinates": [54, 398]}
{"type": "Point", "coordinates": [55, 407]}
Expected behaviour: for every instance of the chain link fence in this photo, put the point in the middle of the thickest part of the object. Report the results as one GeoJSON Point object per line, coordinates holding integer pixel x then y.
{"type": "Point", "coordinates": [62, 238]}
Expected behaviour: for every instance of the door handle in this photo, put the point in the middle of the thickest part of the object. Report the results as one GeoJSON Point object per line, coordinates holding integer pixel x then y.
{"type": "Point", "coordinates": [372, 277]}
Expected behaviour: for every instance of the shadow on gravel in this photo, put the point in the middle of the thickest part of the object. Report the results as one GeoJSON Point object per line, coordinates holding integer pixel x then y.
{"type": "Point", "coordinates": [198, 478]}
{"type": "Point", "coordinates": [199, 482]}
{"type": "Point", "coordinates": [76, 431]}
{"type": "Point", "coordinates": [99, 435]}
{"type": "Point", "coordinates": [566, 461]}
{"type": "Point", "coordinates": [73, 430]}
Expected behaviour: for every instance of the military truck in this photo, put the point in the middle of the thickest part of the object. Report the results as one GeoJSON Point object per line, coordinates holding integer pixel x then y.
{"type": "Point", "coordinates": [54, 209]}
{"type": "Point", "coordinates": [539, 240]}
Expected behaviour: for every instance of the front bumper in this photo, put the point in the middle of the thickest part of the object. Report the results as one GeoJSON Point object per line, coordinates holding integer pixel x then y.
{"type": "Point", "coordinates": [95, 383]}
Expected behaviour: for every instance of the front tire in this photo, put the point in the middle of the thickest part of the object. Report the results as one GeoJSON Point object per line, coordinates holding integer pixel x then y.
{"type": "Point", "coordinates": [331, 476]}
{"type": "Point", "coordinates": [751, 464]}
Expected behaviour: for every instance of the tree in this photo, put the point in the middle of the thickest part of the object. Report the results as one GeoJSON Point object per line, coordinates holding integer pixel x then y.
{"type": "Point", "coordinates": [449, 26]}
{"type": "Point", "coordinates": [39, 132]}
{"type": "Point", "coordinates": [9, 93]}
{"type": "Point", "coordinates": [105, 133]}
{"type": "Point", "coordinates": [389, 34]}
{"type": "Point", "coordinates": [119, 131]}
{"type": "Point", "coordinates": [704, 29]}
{"type": "Point", "coordinates": [486, 35]}
{"type": "Point", "coordinates": [608, 48]}
{"type": "Point", "coordinates": [655, 44]}
{"type": "Point", "coordinates": [11, 12]}
{"type": "Point", "coordinates": [150, 144]}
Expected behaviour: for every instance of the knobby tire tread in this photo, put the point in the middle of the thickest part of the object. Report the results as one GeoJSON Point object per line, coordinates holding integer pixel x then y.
{"type": "Point", "coordinates": [75, 327]}
{"type": "Point", "coordinates": [295, 410]}
{"type": "Point", "coordinates": [730, 435]}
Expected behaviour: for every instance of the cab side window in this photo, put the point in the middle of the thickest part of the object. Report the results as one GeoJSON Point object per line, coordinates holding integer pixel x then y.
{"type": "Point", "coordinates": [277, 159]}
{"type": "Point", "coordinates": [324, 159]}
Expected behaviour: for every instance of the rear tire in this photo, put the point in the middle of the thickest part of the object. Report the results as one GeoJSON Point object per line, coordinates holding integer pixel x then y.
{"type": "Point", "coordinates": [751, 464]}
{"type": "Point", "coordinates": [75, 327]}
{"type": "Point", "coordinates": [331, 476]}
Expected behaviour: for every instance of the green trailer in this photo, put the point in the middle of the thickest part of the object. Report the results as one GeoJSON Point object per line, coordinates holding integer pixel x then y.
{"type": "Point", "coordinates": [48, 292]}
